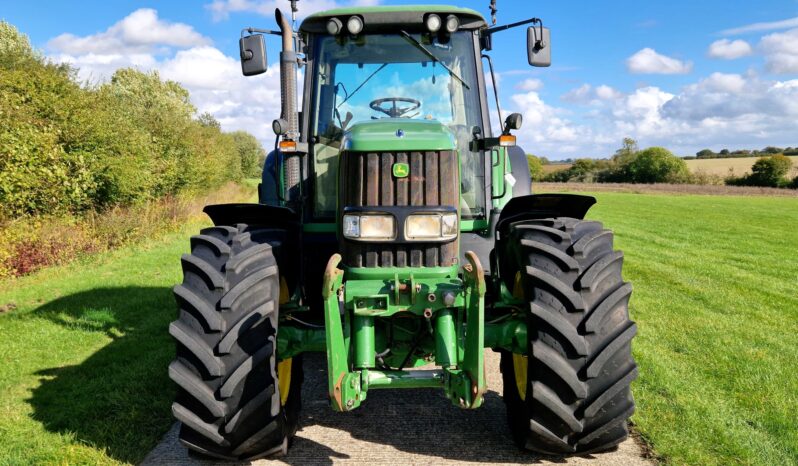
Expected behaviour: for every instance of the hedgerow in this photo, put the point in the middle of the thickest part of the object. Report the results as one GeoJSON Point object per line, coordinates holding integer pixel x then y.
{"type": "Point", "coordinates": [69, 148]}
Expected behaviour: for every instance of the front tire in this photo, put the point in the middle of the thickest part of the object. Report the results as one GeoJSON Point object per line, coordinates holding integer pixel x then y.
{"type": "Point", "coordinates": [229, 399]}
{"type": "Point", "coordinates": [571, 394]}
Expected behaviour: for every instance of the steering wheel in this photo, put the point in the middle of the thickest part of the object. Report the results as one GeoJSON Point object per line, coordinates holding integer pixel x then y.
{"type": "Point", "coordinates": [394, 111]}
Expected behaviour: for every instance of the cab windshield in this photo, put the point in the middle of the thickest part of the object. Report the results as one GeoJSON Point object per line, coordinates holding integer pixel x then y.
{"type": "Point", "coordinates": [416, 76]}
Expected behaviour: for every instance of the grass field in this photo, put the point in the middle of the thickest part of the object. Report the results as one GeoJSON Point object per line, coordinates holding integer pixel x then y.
{"type": "Point", "coordinates": [732, 166]}
{"type": "Point", "coordinates": [83, 378]}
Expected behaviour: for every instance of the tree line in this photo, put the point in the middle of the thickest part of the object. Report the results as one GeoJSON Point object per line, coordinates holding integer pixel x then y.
{"type": "Point", "coordinates": [630, 164]}
{"type": "Point", "coordinates": [727, 154]}
{"type": "Point", "coordinates": [68, 147]}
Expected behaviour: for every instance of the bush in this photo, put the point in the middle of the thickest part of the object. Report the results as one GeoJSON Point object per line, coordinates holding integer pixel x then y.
{"type": "Point", "coordinates": [769, 171]}
{"type": "Point", "coordinates": [535, 167]}
{"type": "Point", "coordinates": [250, 152]}
{"type": "Point", "coordinates": [766, 171]}
{"type": "Point", "coordinates": [654, 165]}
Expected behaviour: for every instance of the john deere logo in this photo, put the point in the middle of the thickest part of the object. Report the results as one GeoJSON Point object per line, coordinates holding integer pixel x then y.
{"type": "Point", "coordinates": [401, 170]}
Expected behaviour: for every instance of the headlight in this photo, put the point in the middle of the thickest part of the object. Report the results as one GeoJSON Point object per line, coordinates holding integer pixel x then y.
{"type": "Point", "coordinates": [431, 227]}
{"type": "Point", "coordinates": [369, 227]}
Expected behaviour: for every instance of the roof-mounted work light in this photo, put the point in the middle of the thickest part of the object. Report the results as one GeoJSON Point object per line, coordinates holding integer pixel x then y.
{"type": "Point", "coordinates": [452, 23]}
{"type": "Point", "coordinates": [433, 22]}
{"type": "Point", "coordinates": [354, 25]}
{"type": "Point", "coordinates": [334, 26]}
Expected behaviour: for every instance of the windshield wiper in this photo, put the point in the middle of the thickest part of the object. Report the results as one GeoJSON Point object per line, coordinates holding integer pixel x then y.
{"type": "Point", "coordinates": [426, 51]}
{"type": "Point", "coordinates": [362, 84]}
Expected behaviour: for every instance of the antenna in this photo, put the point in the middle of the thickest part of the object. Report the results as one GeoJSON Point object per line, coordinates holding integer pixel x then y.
{"type": "Point", "coordinates": [294, 9]}
{"type": "Point", "coordinates": [493, 11]}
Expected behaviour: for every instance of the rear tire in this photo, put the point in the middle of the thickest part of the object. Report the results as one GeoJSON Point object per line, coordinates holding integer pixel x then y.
{"type": "Point", "coordinates": [571, 394]}
{"type": "Point", "coordinates": [228, 393]}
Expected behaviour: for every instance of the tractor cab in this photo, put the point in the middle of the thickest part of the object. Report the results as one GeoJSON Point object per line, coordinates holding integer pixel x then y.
{"type": "Point", "coordinates": [369, 72]}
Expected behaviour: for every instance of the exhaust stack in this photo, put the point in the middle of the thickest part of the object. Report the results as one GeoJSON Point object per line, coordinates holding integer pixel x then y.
{"type": "Point", "coordinates": [288, 111]}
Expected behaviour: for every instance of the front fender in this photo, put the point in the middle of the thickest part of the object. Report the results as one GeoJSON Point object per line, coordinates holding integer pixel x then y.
{"type": "Point", "coordinates": [254, 215]}
{"type": "Point", "coordinates": [534, 206]}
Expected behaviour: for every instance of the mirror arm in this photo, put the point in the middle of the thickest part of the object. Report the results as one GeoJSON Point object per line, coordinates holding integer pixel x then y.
{"type": "Point", "coordinates": [260, 31]}
{"type": "Point", "coordinates": [504, 27]}
{"type": "Point", "coordinates": [495, 90]}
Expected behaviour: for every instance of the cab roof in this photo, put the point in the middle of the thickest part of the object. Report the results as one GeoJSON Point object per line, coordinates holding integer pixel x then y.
{"type": "Point", "coordinates": [376, 18]}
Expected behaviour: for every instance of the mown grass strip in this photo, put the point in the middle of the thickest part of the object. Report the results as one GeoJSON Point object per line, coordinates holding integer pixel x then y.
{"type": "Point", "coordinates": [717, 310]}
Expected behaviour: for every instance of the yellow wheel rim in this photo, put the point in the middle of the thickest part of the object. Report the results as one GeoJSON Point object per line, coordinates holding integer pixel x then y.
{"type": "Point", "coordinates": [518, 286]}
{"type": "Point", "coordinates": [520, 361]}
{"type": "Point", "coordinates": [520, 364]}
{"type": "Point", "coordinates": [284, 379]}
{"type": "Point", "coordinates": [284, 294]}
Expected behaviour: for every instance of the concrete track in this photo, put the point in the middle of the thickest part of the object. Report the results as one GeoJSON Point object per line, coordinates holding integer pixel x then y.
{"type": "Point", "coordinates": [403, 427]}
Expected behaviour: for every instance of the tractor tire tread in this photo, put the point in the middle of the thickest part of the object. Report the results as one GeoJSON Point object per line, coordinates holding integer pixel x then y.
{"type": "Point", "coordinates": [579, 364]}
{"type": "Point", "coordinates": [226, 367]}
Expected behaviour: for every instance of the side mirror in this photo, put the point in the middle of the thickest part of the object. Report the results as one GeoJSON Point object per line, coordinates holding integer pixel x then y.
{"type": "Point", "coordinates": [253, 54]}
{"type": "Point", "coordinates": [538, 46]}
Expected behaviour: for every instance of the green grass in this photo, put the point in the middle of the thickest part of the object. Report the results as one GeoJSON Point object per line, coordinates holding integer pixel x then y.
{"type": "Point", "coordinates": [715, 299]}
{"type": "Point", "coordinates": [83, 375]}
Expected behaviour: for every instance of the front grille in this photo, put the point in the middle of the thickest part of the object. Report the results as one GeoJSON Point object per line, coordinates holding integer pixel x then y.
{"type": "Point", "coordinates": [366, 180]}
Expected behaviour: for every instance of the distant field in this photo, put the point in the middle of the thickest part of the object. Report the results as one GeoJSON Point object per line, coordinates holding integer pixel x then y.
{"type": "Point", "coordinates": [719, 167]}
{"type": "Point", "coordinates": [735, 167]}
{"type": "Point", "coordinates": [555, 167]}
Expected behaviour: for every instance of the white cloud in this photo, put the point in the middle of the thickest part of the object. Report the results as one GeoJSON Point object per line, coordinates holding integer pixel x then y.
{"type": "Point", "coordinates": [94, 67]}
{"type": "Point", "coordinates": [587, 94]}
{"type": "Point", "coordinates": [531, 84]}
{"type": "Point", "coordinates": [140, 32]}
{"type": "Point", "coordinates": [545, 129]}
{"type": "Point", "coordinates": [759, 27]}
{"type": "Point", "coordinates": [217, 86]}
{"type": "Point", "coordinates": [221, 9]}
{"type": "Point", "coordinates": [648, 61]}
{"type": "Point", "coordinates": [781, 51]}
{"type": "Point", "coordinates": [579, 94]}
{"type": "Point", "coordinates": [605, 92]}
{"type": "Point", "coordinates": [722, 82]}
{"type": "Point", "coordinates": [639, 113]}
{"type": "Point", "coordinates": [729, 50]}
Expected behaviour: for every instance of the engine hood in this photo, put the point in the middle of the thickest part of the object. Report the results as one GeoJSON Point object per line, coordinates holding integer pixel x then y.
{"type": "Point", "coordinates": [398, 135]}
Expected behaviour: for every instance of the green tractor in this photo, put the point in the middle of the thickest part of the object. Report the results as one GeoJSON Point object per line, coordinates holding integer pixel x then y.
{"type": "Point", "coordinates": [394, 230]}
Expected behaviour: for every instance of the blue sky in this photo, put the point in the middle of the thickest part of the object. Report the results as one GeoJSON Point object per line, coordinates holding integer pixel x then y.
{"type": "Point", "coordinates": [682, 74]}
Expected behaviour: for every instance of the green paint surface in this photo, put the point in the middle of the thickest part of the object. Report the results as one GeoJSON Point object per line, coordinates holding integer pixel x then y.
{"type": "Point", "coordinates": [398, 134]}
